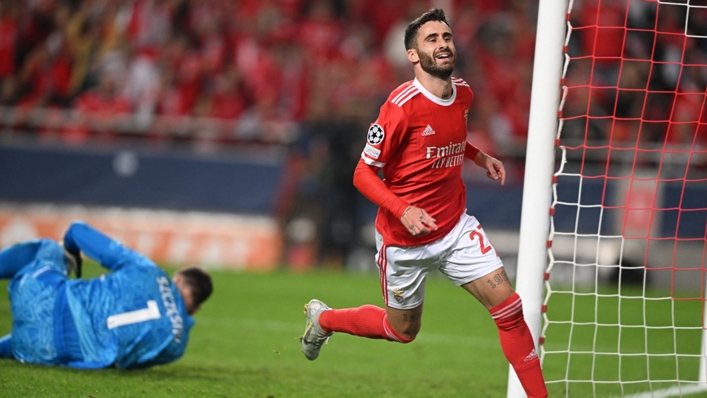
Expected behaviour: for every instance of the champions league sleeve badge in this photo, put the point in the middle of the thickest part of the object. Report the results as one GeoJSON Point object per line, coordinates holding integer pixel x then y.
{"type": "Point", "coordinates": [375, 134]}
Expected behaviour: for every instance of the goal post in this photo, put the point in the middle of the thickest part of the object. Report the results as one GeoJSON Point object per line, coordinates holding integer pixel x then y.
{"type": "Point", "coordinates": [539, 164]}
{"type": "Point", "coordinates": [612, 260]}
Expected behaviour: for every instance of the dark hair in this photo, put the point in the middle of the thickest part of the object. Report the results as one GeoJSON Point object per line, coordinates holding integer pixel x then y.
{"type": "Point", "coordinates": [435, 14]}
{"type": "Point", "coordinates": [199, 281]}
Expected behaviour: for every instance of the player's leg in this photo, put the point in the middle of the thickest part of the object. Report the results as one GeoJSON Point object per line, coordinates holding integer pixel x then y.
{"type": "Point", "coordinates": [491, 289]}
{"type": "Point", "coordinates": [19, 255]}
{"type": "Point", "coordinates": [474, 265]}
{"type": "Point", "coordinates": [374, 322]}
{"type": "Point", "coordinates": [368, 321]}
{"type": "Point", "coordinates": [33, 295]}
{"type": "Point", "coordinates": [402, 277]}
{"type": "Point", "coordinates": [403, 325]}
{"type": "Point", "coordinates": [494, 291]}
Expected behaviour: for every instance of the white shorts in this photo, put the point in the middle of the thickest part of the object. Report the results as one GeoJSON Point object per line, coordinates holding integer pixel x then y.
{"type": "Point", "coordinates": [463, 255]}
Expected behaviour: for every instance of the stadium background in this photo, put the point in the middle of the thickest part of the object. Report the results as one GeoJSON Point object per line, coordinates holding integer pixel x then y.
{"type": "Point", "coordinates": [226, 132]}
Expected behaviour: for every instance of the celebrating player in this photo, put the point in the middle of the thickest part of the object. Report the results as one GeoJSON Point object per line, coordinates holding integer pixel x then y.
{"type": "Point", "coordinates": [419, 142]}
{"type": "Point", "coordinates": [133, 317]}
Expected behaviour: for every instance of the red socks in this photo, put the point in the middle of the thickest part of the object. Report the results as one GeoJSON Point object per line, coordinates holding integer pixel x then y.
{"type": "Point", "coordinates": [516, 340]}
{"type": "Point", "coordinates": [518, 345]}
{"type": "Point", "coordinates": [365, 321]}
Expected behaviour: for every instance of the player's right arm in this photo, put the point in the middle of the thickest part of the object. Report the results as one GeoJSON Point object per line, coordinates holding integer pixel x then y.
{"type": "Point", "coordinates": [367, 182]}
{"type": "Point", "coordinates": [106, 251]}
{"type": "Point", "coordinates": [416, 220]}
{"type": "Point", "coordinates": [384, 139]}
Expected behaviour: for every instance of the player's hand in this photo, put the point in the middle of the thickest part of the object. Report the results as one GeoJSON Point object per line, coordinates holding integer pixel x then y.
{"type": "Point", "coordinates": [417, 221]}
{"type": "Point", "coordinates": [494, 167]}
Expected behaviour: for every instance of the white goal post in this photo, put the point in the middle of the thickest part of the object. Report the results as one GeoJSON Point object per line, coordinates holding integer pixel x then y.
{"type": "Point", "coordinates": [627, 239]}
{"type": "Point", "coordinates": [539, 165]}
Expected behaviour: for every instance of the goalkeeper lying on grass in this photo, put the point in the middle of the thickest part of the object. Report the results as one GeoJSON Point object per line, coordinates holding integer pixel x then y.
{"type": "Point", "coordinates": [133, 317]}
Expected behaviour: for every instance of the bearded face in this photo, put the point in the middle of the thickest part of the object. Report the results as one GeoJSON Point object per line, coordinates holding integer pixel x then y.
{"type": "Point", "coordinates": [440, 63]}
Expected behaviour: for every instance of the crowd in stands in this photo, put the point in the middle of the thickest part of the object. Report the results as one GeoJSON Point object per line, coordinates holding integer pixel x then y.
{"type": "Point", "coordinates": [637, 75]}
{"type": "Point", "coordinates": [258, 69]}
{"type": "Point", "coordinates": [265, 66]}
{"type": "Point", "coordinates": [312, 74]}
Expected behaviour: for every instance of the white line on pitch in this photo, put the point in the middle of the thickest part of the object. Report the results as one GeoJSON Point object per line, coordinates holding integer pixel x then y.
{"type": "Point", "coordinates": [671, 392]}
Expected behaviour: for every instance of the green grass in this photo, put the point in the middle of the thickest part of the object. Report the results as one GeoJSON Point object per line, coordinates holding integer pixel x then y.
{"type": "Point", "coordinates": [621, 359]}
{"type": "Point", "coordinates": [245, 344]}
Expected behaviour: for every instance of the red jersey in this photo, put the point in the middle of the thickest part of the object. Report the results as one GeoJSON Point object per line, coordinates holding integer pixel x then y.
{"type": "Point", "coordinates": [419, 142]}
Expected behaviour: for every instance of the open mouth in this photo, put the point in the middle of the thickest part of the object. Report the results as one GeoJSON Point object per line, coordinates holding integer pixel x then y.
{"type": "Point", "coordinates": [444, 55]}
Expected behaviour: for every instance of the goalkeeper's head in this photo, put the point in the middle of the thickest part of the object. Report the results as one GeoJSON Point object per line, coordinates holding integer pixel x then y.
{"type": "Point", "coordinates": [195, 285]}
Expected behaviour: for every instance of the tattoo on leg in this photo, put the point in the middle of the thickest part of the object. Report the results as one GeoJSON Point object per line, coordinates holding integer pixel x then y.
{"type": "Point", "coordinates": [498, 278]}
{"type": "Point", "coordinates": [411, 317]}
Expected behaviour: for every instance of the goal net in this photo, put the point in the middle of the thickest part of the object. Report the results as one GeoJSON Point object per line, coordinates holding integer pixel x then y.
{"type": "Point", "coordinates": [624, 290]}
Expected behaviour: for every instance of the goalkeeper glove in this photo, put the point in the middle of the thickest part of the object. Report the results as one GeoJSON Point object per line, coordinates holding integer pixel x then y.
{"type": "Point", "coordinates": [73, 260]}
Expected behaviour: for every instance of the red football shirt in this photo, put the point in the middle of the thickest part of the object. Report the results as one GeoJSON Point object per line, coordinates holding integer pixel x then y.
{"type": "Point", "coordinates": [419, 142]}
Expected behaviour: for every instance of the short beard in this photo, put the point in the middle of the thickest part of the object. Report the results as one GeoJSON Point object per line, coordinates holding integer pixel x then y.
{"type": "Point", "coordinates": [428, 65]}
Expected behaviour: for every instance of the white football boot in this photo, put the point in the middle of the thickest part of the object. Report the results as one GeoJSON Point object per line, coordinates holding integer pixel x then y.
{"type": "Point", "coordinates": [314, 336]}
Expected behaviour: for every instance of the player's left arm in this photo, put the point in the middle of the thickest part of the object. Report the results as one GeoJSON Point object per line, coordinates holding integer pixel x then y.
{"type": "Point", "coordinates": [494, 167]}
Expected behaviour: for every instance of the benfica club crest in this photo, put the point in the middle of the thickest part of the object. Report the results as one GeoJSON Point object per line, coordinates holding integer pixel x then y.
{"type": "Point", "coordinates": [398, 295]}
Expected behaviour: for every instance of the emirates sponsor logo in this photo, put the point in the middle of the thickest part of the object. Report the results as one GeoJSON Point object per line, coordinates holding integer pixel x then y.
{"type": "Point", "coordinates": [451, 155]}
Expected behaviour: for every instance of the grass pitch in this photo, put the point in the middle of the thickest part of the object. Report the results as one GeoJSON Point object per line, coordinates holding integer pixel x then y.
{"type": "Point", "coordinates": [245, 344]}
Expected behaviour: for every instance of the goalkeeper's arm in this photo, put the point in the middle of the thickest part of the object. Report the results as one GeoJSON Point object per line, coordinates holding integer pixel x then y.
{"type": "Point", "coordinates": [81, 237]}
{"type": "Point", "coordinates": [109, 253]}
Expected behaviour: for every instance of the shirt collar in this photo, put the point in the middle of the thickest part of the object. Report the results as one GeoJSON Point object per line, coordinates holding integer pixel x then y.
{"type": "Point", "coordinates": [435, 99]}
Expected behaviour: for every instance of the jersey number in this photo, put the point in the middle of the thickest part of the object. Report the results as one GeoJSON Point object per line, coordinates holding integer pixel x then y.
{"type": "Point", "coordinates": [128, 318]}
{"type": "Point", "coordinates": [484, 249]}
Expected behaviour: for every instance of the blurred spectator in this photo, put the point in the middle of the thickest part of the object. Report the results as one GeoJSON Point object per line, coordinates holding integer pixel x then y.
{"type": "Point", "coordinates": [9, 32]}
{"type": "Point", "coordinates": [100, 110]}
{"type": "Point", "coordinates": [393, 46]}
{"type": "Point", "coordinates": [259, 63]}
{"type": "Point", "coordinates": [227, 100]}
{"type": "Point", "coordinates": [211, 73]}
{"type": "Point", "coordinates": [142, 82]}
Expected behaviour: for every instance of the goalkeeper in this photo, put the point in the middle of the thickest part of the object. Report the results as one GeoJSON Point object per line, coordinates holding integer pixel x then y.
{"type": "Point", "coordinates": [133, 317]}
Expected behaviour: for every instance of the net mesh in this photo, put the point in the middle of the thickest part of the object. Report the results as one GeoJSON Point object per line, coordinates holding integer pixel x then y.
{"type": "Point", "coordinates": [624, 300]}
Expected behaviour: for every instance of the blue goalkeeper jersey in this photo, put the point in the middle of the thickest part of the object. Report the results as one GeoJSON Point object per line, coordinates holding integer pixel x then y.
{"type": "Point", "coordinates": [132, 317]}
